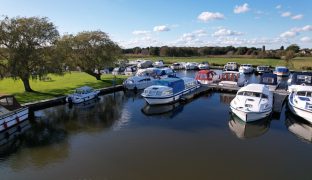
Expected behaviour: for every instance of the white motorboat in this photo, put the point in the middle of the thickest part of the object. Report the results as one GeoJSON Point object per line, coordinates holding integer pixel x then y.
{"type": "Point", "coordinates": [159, 64]}
{"type": "Point", "coordinates": [118, 70]}
{"type": "Point", "coordinates": [138, 82]}
{"type": "Point", "coordinates": [203, 66]}
{"type": "Point", "coordinates": [232, 79]}
{"type": "Point", "coordinates": [300, 102]}
{"type": "Point", "coordinates": [130, 70]}
{"type": "Point", "coordinates": [191, 66]}
{"type": "Point", "coordinates": [299, 78]}
{"type": "Point", "coordinates": [270, 80]}
{"type": "Point", "coordinates": [246, 68]}
{"type": "Point", "coordinates": [147, 72]}
{"type": "Point", "coordinates": [263, 69]}
{"type": "Point", "coordinates": [252, 102]}
{"type": "Point", "coordinates": [230, 66]}
{"type": "Point", "coordinates": [145, 64]}
{"type": "Point", "coordinates": [82, 94]}
{"type": "Point", "coordinates": [281, 71]}
{"type": "Point", "coordinates": [11, 112]}
{"type": "Point", "coordinates": [165, 72]}
{"type": "Point", "coordinates": [169, 90]}
{"type": "Point", "coordinates": [177, 66]}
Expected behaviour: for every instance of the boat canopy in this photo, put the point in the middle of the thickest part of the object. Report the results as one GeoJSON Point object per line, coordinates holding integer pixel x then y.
{"type": "Point", "coordinates": [282, 69]}
{"type": "Point", "coordinates": [176, 84]}
{"type": "Point", "coordinates": [268, 79]}
{"type": "Point", "coordinates": [299, 78]}
{"type": "Point", "coordinates": [258, 88]}
{"type": "Point", "coordinates": [205, 75]}
{"type": "Point", "coordinates": [230, 76]}
{"type": "Point", "coordinates": [304, 88]}
{"type": "Point", "coordinates": [9, 102]}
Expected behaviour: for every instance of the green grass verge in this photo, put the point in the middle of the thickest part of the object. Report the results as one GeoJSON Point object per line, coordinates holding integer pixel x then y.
{"type": "Point", "coordinates": [56, 86]}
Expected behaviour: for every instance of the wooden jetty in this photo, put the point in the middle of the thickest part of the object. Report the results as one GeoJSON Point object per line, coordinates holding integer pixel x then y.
{"type": "Point", "coordinates": [279, 95]}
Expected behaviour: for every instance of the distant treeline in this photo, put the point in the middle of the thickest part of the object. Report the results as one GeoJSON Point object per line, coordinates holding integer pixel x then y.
{"type": "Point", "coordinates": [166, 51]}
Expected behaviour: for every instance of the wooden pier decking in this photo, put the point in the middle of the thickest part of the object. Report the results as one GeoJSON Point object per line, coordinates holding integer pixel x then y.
{"type": "Point", "coordinates": [279, 95]}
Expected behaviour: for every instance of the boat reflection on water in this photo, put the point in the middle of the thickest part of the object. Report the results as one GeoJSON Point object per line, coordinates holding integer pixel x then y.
{"type": "Point", "coordinates": [299, 127]}
{"type": "Point", "coordinates": [248, 130]}
{"type": "Point", "coordinates": [93, 116]}
{"type": "Point", "coordinates": [226, 98]}
{"type": "Point", "coordinates": [168, 110]}
{"type": "Point", "coordinates": [11, 139]}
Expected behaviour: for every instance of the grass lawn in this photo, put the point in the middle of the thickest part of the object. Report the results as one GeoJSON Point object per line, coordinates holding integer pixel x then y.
{"type": "Point", "coordinates": [57, 86]}
{"type": "Point", "coordinates": [297, 63]}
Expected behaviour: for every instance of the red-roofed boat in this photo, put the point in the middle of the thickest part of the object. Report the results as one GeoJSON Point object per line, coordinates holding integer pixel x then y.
{"type": "Point", "coordinates": [207, 77]}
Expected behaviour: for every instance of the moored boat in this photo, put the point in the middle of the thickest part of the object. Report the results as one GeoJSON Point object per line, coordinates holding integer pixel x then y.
{"type": "Point", "coordinates": [262, 69]}
{"type": "Point", "coordinates": [11, 112]}
{"type": "Point", "coordinates": [232, 79]}
{"type": "Point", "coordinates": [138, 82]}
{"type": "Point", "coordinates": [82, 94]}
{"type": "Point", "coordinates": [252, 102]}
{"type": "Point", "coordinates": [281, 71]}
{"type": "Point", "coordinates": [230, 66]}
{"type": "Point", "coordinates": [300, 102]}
{"type": "Point", "coordinates": [177, 66]}
{"type": "Point", "coordinates": [207, 77]}
{"type": "Point", "coordinates": [246, 68]}
{"type": "Point", "coordinates": [130, 70]}
{"type": "Point", "coordinates": [203, 66]}
{"type": "Point", "coordinates": [169, 90]}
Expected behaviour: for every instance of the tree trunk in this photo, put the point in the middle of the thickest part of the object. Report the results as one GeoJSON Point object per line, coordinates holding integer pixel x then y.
{"type": "Point", "coordinates": [96, 75]}
{"type": "Point", "coordinates": [27, 85]}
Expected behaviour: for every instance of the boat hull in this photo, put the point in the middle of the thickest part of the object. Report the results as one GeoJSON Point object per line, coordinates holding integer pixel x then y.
{"type": "Point", "coordinates": [305, 114]}
{"type": "Point", "coordinates": [250, 116]}
{"type": "Point", "coordinates": [154, 100]}
{"type": "Point", "coordinates": [13, 118]}
{"type": "Point", "coordinates": [71, 99]}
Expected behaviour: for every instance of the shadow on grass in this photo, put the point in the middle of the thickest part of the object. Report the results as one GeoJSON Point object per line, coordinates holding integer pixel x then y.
{"type": "Point", "coordinates": [25, 97]}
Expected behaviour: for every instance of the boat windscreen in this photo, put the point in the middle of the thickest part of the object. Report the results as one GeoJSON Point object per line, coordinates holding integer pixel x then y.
{"type": "Point", "coordinates": [304, 93]}
{"type": "Point", "coordinates": [283, 70]}
{"type": "Point", "coordinates": [306, 79]}
{"type": "Point", "coordinates": [252, 94]}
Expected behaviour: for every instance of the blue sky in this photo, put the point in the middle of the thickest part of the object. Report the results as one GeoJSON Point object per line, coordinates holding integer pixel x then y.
{"type": "Point", "coordinates": [178, 23]}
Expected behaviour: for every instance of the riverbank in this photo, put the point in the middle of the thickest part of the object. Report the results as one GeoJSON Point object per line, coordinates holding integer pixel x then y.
{"type": "Point", "coordinates": [55, 86]}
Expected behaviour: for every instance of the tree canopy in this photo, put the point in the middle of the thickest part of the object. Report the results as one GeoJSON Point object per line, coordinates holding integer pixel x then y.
{"type": "Point", "coordinates": [27, 45]}
{"type": "Point", "coordinates": [90, 51]}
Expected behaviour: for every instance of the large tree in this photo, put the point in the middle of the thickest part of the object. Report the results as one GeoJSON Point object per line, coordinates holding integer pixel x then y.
{"type": "Point", "coordinates": [90, 51]}
{"type": "Point", "coordinates": [27, 45]}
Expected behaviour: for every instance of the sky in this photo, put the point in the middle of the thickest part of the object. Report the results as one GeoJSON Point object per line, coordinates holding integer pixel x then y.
{"type": "Point", "coordinates": [196, 23]}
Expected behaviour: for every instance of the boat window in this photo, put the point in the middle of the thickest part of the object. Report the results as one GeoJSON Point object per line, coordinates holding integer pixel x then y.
{"type": "Point", "coordinates": [304, 79]}
{"type": "Point", "coordinates": [251, 94]}
{"type": "Point", "coordinates": [268, 80]}
{"type": "Point", "coordinates": [309, 94]}
{"type": "Point", "coordinates": [148, 79]}
{"type": "Point", "coordinates": [301, 93]}
{"type": "Point", "coordinates": [240, 93]}
{"type": "Point", "coordinates": [142, 80]}
{"type": "Point", "coordinates": [265, 96]}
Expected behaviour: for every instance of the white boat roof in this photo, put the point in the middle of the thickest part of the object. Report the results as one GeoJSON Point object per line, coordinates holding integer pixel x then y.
{"type": "Point", "coordinates": [260, 88]}
{"type": "Point", "coordinates": [304, 88]}
{"type": "Point", "coordinates": [230, 72]}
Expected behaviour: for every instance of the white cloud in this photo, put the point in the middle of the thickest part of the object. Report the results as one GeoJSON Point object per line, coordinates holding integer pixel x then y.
{"type": "Point", "coordinates": [288, 34]}
{"type": "Point", "coordinates": [307, 28]}
{"type": "Point", "coordinates": [278, 6]}
{"type": "Point", "coordinates": [209, 16]}
{"type": "Point", "coordinates": [286, 14]}
{"type": "Point", "coordinates": [225, 32]}
{"type": "Point", "coordinates": [297, 17]}
{"type": "Point", "coordinates": [140, 42]}
{"type": "Point", "coordinates": [306, 39]}
{"type": "Point", "coordinates": [200, 32]}
{"type": "Point", "coordinates": [140, 32]}
{"type": "Point", "coordinates": [235, 41]}
{"type": "Point", "coordinates": [241, 9]}
{"type": "Point", "coordinates": [161, 28]}
{"type": "Point", "coordinates": [295, 31]}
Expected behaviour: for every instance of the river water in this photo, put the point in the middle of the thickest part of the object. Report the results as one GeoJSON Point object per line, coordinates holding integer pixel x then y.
{"type": "Point", "coordinates": [120, 137]}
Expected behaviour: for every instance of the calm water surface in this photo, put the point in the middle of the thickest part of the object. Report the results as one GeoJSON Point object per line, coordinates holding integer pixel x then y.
{"type": "Point", "coordinates": [120, 137]}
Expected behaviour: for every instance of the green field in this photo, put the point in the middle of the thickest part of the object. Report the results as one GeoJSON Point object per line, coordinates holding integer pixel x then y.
{"type": "Point", "coordinates": [55, 86]}
{"type": "Point", "coordinates": [297, 63]}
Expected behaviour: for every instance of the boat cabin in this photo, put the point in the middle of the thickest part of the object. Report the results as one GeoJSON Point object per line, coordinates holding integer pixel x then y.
{"type": "Point", "coordinates": [268, 79]}
{"type": "Point", "coordinates": [205, 75]}
{"type": "Point", "coordinates": [176, 84]}
{"type": "Point", "coordinates": [8, 103]}
{"type": "Point", "coordinates": [230, 76]}
{"type": "Point", "coordinates": [301, 78]}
